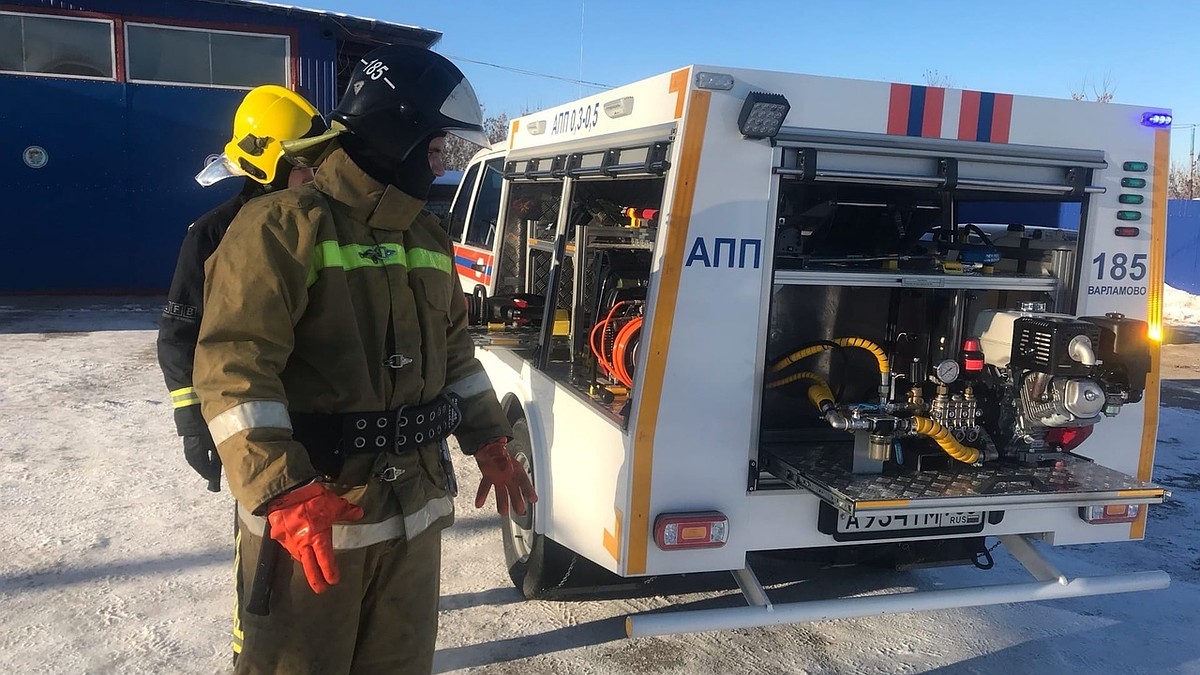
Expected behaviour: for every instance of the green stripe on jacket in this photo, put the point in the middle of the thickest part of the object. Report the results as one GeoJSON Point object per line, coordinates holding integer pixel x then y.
{"type": "Point", "coordinates": [355, 256]}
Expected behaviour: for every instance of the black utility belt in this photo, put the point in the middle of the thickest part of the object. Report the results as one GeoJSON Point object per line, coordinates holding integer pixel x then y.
{"type": "Point", "coordinates": [400, 430]}
{"type": "Point", "coordinates": [405, 428]}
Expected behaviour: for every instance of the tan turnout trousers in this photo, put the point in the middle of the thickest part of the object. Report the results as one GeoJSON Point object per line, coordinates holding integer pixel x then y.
{"type": "Point", "coordinates": [384, 612]}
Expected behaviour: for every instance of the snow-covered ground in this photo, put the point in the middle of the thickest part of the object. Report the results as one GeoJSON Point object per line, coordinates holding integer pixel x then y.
{"type": "Point", "coordinates": [1180, 308]}
{"type": "Point", "coordinates": [114, 559]}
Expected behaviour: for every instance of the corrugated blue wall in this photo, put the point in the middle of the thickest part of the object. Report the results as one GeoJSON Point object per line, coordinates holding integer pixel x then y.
{"type": "Point", "coordinates": [1183, 245]}
{"type": "Point", "coordinates": [108, 211]}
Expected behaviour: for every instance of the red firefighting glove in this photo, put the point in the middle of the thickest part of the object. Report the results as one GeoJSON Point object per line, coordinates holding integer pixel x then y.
{"type": "Point", "coordinates": [302, 522]}
{"type": "Point", "coordinates": [503, 472]}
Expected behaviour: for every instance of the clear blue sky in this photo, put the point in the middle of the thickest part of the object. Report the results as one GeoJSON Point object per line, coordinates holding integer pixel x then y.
{"type": "Point", "coordinates": [1148, 51]}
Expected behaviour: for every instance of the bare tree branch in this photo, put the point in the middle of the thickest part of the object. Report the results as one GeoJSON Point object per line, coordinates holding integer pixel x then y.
{"type": "Point", "coordinates": [1181, 183]}
{"type": "Point", "coordinates": [1102, 93]}
{"type": "Point", "coordinates": [934, 78]}
{"type": "Point", "coordinates": [458, 153]}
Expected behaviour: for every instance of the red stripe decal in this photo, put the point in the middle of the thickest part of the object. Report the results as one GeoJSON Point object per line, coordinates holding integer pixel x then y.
{"type": "Point", "coordinates": [931, 121]}
{"type": "Point", "coordinates": [898, 109]}
{"type": "Point", "coordinates": [1002, 118]}
{"type": "Point", "coordinates": [968, 116]}
{"type": "Point", "coordinates": [474, 254]}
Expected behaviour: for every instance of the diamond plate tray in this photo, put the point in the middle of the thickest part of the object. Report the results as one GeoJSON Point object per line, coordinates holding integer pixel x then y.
{"type": "Point", "coordinates": [825, 470]}
{"type": "Point", "coordinates": [508, 338]}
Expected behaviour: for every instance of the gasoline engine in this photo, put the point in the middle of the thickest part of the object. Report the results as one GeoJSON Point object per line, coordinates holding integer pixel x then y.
{"type": "Point", "coordinates": [1053, 376]}
{"type": "Point", "coordinates": [1030, 386]}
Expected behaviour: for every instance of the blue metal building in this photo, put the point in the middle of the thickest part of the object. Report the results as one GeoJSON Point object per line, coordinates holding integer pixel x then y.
{"type": "Point", "coordinates": [108, 108]}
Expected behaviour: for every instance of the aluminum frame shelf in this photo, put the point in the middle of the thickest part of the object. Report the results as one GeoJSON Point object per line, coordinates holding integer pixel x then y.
{"type": "Point", "coordinates": [893, 279]}
{"type": "Point", "coordinates": [825, 470]}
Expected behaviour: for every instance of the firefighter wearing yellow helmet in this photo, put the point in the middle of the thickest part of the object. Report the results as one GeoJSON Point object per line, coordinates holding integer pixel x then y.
{"type": "Point", "coordinates": [266, 117]}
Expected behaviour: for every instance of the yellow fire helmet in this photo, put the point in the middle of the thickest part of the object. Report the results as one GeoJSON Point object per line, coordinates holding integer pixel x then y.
{"type": "Point", "coordinates": [267, 116]}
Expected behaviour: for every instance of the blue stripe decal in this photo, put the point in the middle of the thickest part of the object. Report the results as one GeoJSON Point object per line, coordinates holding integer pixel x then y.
{"type": "Point", "coordinates": [467, 262]}
{"type": "Point", "coordinates": [987, 105]}
{"type": "Point", "coordinates": [916, 110]}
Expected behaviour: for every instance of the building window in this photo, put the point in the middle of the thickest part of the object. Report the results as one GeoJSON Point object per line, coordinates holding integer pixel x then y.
{"type": "Point", "coordinates": [56, 45]}
{"type": "Point", "coordinates": [188, 56]}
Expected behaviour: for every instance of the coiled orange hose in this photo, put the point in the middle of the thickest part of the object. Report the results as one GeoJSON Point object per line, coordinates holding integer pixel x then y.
{"type": "Point", "coordinates": [613, 364]}
{"type": "Point", "coordinates": [624, 341]}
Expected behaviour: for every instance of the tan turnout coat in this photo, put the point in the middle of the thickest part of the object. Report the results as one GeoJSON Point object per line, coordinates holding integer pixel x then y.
{"type": "Point", "coordinates": [310, 291]}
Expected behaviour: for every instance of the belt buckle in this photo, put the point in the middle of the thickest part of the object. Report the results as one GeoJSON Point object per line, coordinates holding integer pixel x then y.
{"type": "Point", "coordinates": [390, 474]}
{"type": "Point", "coordinates": [453, 413]}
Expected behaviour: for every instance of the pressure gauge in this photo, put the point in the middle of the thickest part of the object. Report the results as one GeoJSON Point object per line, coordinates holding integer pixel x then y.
{"type": "Point", "coordinates": [947, 371]}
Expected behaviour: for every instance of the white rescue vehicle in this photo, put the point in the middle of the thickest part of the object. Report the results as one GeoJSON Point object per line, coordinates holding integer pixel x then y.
{"type": "Point", "coordinates": [732, 310]}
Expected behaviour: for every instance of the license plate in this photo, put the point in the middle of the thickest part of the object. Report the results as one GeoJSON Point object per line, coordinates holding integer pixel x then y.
{"type": "Point", "coordinates": [899, 522]}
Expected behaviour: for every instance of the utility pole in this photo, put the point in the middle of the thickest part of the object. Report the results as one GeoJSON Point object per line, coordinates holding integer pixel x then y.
{"type": "Point", "coordinates": [1191, 175]}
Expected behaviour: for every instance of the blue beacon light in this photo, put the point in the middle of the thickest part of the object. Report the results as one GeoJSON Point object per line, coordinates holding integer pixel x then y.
{"type": "Point", "coordinates": [1157, 120]}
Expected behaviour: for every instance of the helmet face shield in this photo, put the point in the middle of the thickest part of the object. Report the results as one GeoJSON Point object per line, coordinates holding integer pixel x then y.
{"type": "Point", "coordinates": [304, 152]}
{"type": "Point", "coordinates": [218, 170]}
{"type": "Point", "coordinates": [471, 136]}
{"type": "Point", "coordinates": [463, 106]}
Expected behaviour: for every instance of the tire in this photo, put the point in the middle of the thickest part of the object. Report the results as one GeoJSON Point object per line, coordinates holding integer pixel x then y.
{"type": "Point", "coordinates": [536, 564]}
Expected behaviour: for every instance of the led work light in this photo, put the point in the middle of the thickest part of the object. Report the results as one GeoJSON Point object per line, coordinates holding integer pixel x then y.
{"type": "Point", "coordinates": [762, 114]}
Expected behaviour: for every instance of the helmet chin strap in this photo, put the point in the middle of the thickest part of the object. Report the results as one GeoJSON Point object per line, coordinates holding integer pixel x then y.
{"type": "Point", "coordinates": [412, 174]}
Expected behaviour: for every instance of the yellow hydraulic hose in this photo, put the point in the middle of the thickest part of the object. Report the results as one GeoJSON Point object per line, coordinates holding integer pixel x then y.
{"type": "Point", "coordinates": [818, 392]}
{"type": "Point", "coordinates": [941, 435]}
{"type": "Point", "coordinates": [862, 343]}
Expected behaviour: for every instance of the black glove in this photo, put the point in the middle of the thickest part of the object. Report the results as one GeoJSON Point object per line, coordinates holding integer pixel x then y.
{"type": "Point", "coordinates": [201, 454]}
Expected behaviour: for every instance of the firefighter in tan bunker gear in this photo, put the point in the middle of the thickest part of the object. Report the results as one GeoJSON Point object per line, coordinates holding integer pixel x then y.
{"type": "Point", "coordinates": [333, 361]}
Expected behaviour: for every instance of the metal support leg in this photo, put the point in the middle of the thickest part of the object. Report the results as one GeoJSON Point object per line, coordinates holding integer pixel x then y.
{"type": "Point", "coordinates": [756, 595]}
{"type": "Point", "coordinates": [1020, 546]}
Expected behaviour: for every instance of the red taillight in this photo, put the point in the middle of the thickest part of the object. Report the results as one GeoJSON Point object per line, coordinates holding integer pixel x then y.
{"type": "Point", "coordinates": [675, 531]}
{"type": "Point", "coordinates": [1110, 513]}
{"type": "Point", "coordinates": [1068, 438]}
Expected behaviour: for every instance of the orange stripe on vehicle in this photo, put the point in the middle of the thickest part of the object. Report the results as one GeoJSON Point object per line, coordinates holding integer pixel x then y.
{"type": "Point", "coordinates": [1130, 494]}
{"type": "Point", "coordinates": [1137, 529]}
{"type": "Point", "coordinates": [679, 87]}
{"type": "Point", "coordinates": [968, 116]}
{"type": "Point", "coordinates": [512, 135]}
{"type": "Point", "coordinates": [1158, 252]}
{"type": "Point", "coordinates": [931, 119]}
{"type": "Point", "coordinates": [660, 333]}
{"type": "Point", "coordinates": [612, 540]}
{"type": "Point", "coordinates": [898, 103]}
{"type": "Point", "coordinates": [881, 504]}
{"type": "Point", "coordinates": [1002, 118]}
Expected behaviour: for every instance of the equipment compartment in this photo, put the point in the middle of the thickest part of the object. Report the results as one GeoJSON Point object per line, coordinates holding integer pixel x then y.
{"type": "Point", "coordinates": [908, 353]}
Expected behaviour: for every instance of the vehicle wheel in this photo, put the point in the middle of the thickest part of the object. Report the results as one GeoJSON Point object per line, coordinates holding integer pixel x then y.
{"type": "Point", "coordinates": [536, 564]}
